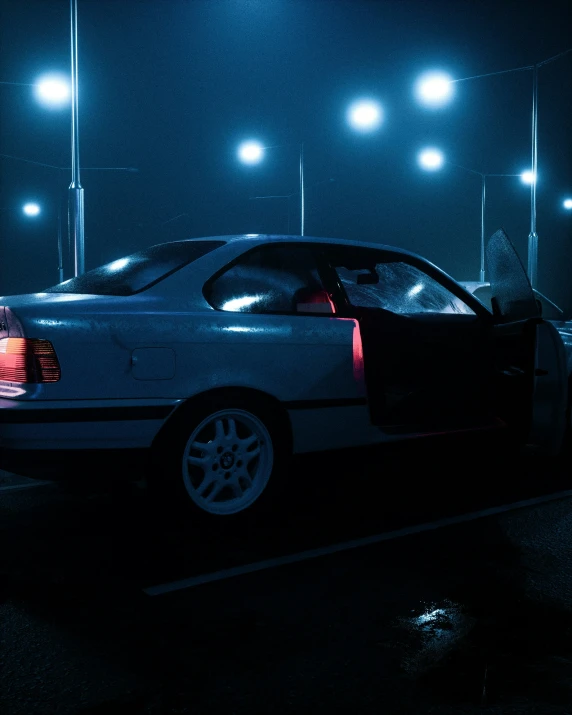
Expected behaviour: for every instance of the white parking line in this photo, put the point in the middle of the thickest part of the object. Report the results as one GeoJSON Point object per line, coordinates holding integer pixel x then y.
{"type": "Point", "coordinates": [18, 487]}
{"type": "Point", "coordinates": [347, 545]}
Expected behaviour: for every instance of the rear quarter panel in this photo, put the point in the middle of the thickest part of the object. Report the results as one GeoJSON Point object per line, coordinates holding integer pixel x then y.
{"type": "Point", "coordinates": [289, 357]}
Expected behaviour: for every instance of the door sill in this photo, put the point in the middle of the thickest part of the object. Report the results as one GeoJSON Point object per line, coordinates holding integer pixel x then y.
{"type": "Point", "coordinates": [453, 427]}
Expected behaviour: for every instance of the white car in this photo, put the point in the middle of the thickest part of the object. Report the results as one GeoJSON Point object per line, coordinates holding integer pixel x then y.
{"type": "Point", "coordinates": [215, 359]}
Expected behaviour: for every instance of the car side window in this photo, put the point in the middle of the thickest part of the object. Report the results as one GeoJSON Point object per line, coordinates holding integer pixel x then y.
{"type": "Point", "coordinates": [396, 286]}
{"type": "Point", "coordinates": [271, 279]}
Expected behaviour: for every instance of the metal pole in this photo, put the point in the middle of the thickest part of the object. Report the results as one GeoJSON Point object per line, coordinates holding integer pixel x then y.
{"type": "Point", "coordinates": [60, 246]}
{"type": "Point", "coordinates": [533, 236]}
{"type": "Point", "coordinates": [60, 230]}
{"type": "Point", "coordinates": [482, 271]}
{"type": "Point", "coordinates": [301, 189]}
{"type": "Point", "coordinates": [75, 197]}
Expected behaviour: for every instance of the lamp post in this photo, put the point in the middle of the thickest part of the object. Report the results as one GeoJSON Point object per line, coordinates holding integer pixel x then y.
{"type": "Point", "coordinates": [60, 170]}
{"type": "Point", "coordinates": [436, 89]}
{"type": "Point", "coordinates": [278, 196]}
{"type": "Point", "coordinates": [289, 196]}
{"type": "Point", "coordinates": [252, 152]}
{"type": "Point", "coordinates": [51, 90]}
{"type": "Point", "coordinates": [433, 159]}
{"type": "Point", "coordinates": [75, 196]}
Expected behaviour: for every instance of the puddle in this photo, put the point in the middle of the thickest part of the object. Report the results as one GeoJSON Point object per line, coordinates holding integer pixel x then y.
{"type": "Point", "coordinates": [431, 632]}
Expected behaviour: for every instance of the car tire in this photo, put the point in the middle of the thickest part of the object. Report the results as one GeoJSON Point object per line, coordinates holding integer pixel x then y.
{"type": "Point", "coordinates": [223, 458]}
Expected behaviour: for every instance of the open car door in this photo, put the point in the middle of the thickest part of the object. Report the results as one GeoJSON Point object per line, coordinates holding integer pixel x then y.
{"type": "Point", "coordinates": [530, 360]}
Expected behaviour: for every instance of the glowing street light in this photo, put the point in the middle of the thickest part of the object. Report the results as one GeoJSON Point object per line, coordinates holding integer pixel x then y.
{"type": "Point", "coordinates": [567, 203]}
{"type": "Point", "coordinates": [60, 170]}
{"type": "Point", "coordinates": [31, 209]}
{"type": "Point", "coordinates": [431, 159]}
{"type": "Point", "coordinates": [365, 115]}
{"type": "Point", "coordinates": [528, 177]}
{"type": "Point", "coordinates": [251, 152]}
{"type": "Point", "coordinates": [434, 89]}
{"type": "Point", "coordinates": [52, 90]}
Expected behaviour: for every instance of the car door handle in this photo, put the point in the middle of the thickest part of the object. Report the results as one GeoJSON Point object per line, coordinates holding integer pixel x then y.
{"type": "Point", "coordinates": [513, 371]}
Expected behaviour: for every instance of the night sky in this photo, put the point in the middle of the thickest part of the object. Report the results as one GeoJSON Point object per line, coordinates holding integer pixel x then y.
{"type": "Point", "coordinates": [173, 86]}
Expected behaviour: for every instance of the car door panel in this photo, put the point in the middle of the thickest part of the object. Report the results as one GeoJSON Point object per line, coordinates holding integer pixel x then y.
{"type": "Point", "coordinates": [531, 372]}
{"type": "Point", "coordinates": [513, 379]}
{"type": "Point", "coordinates": [426, 369]}
{"type": "Point", "coordinates": [428, 356]}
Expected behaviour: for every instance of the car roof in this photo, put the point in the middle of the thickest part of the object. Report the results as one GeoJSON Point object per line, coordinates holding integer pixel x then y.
{"type": "Point", "coordinates": [262, 238]}
{"type": "Point", "coordinates": [251, 240]}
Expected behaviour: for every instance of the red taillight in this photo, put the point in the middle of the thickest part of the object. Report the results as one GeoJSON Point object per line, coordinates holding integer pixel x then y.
{"type": "Point", "coordinates": [358, 353]}
{"type": "Point", "coordinates": [28, 360]}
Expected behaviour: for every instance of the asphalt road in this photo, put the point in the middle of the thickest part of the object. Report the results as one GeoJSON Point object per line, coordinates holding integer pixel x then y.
{"type": "Point", "coordinates": [452, 618]}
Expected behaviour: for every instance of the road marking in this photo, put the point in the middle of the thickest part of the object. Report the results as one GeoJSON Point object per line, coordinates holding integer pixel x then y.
{"type": "Point", "coordinates": [347, 545]}
{"type": "Point", "coordinates": [18, 487]}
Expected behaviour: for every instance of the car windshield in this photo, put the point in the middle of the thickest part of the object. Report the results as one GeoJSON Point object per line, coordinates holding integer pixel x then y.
{"type": "Point", "coordinates": [137, 272]}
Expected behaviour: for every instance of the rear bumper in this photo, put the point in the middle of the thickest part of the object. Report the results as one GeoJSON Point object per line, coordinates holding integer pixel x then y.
{"type": "Point", "coordinates": [41, 437]}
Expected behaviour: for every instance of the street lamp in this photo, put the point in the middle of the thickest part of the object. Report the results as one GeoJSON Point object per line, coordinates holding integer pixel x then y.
{"type": "Point", "coordinates": [252, 152]}
{"type": "Point", "coordinates": [61, 169]}
{"type": "Point", "coordinates": [52, 91]}
{"type": "Point", "coordinates": [31, 209]}
{"type": "Point", "coordinates": [567, 203]}
{"type": "Point", "coordinates": [434, 89]}
{"type": "Point", "coordinates": [75, 196]}
{"type": "Point", "coordinates": [432, 159]}
{"type": "Point", "coordinates": [365, 115]}
{"type": "Point", "coordinates": [528, 177]}
{"type": "Point", "coordinates": [432, 93]}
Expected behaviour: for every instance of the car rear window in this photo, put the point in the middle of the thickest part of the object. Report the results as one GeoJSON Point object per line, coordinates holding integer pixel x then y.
{"type": "Point", "coordinates": [138, 271]}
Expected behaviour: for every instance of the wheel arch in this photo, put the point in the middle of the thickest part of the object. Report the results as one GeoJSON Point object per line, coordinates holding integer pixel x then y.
{"type": "Point", "coordinates": [249, 395]}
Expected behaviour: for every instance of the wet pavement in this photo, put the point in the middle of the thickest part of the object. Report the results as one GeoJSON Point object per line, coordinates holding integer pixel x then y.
{"type": "Point", "coordinates": [456, 618]}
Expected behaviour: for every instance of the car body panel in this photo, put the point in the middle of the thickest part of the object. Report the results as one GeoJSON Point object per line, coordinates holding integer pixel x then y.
{"type": "Point", "coordinates": [136, 358]}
